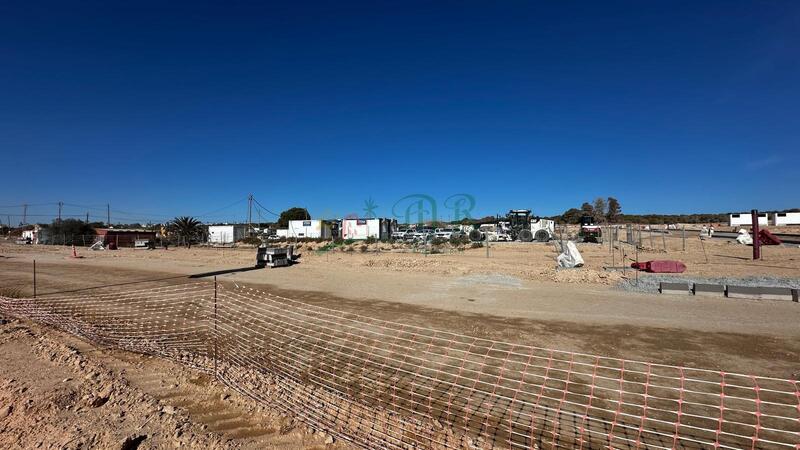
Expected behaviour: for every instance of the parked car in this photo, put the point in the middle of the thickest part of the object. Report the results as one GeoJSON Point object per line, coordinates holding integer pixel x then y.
{"type": "Point", "coordinates": [424, 234]}
{"type": "Point", "coordinates": [446, 233]}
{"type": "Point", "coordinates": [399, 234]}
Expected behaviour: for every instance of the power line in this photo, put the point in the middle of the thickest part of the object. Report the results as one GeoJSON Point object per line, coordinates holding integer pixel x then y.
{"type": "Point", "coordinates": [265, 209]}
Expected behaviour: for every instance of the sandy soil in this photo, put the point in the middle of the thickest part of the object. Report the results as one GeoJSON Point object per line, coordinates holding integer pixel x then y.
{"type": "Point", "coordinates": [62, 393]}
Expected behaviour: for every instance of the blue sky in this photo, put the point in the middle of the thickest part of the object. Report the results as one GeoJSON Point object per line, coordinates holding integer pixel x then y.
{"type": "Point", "coordinates": [671, 107]}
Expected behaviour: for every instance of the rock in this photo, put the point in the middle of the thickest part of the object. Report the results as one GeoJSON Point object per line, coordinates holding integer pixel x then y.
{"type": "Point", "coordinates": [5, 412]}
{"type": "Point", "coordinates": [133, 442]}
{"type": "Point", "coordinates": [102, 398]}
{"type": "Point", "coordinates": [329, 440]}
{"type": "Point", "coordinates": [169, 409]}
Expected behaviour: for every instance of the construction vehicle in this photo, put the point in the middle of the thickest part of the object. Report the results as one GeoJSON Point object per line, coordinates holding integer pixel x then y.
{"type": "Point", "coordinates": [275, 256]}
{"type": "Point", "coordinates": [590, 232]}
{"type": "Point", "coordinates": [521, 226]}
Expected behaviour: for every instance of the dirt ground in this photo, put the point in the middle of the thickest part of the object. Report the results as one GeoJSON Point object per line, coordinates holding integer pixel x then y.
{"type": "Point", "coordinates": [514, 295]}
{"type": "Point", "coordinates": [59, 392]}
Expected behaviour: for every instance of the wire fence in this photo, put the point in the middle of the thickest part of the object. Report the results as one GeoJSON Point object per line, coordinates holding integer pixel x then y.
{"type": "Point", "coordinates": [381, 384]}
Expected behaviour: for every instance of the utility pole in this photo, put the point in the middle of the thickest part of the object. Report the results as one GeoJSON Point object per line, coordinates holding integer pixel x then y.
{"type": "Point", "coordinates": [24, 214]}
{"type": "Point", "coordinates": [108, 213]}
{"type": "Point", "coordinates": [60, 205]}
{"type": "Point", "coordinates": [756, 237]}
{"type": "Point", "coordinates": [250, 215]}
{"type": "Point", "coordinates": [87, 216]}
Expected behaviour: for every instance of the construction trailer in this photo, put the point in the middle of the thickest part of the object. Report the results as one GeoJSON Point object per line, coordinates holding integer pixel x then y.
{"type": "Point", "coordinates": [746, 220]}
{"type": "Point", "coordinates": [226, 233]}
{"type": "Point", "coordinates": [316, 229]}
{"type": "Point", "coordinates": [785, 218]}
{"type": "Point", "coordinates": [360, 229]}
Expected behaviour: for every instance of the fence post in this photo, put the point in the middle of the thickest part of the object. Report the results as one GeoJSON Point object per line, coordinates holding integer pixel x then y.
{"type": "Point", "coordinates": [34, 278]}
{"type": "Point", "coordinates": [684, 237]}
{"type": "Point", "coordinates": [215, 327]}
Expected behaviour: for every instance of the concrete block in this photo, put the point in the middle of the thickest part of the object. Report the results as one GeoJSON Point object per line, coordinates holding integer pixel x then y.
{"type": "Point", "coordinates": [796, 295]}
{"type": "Point", "coordinates": [713, 290]}
{"type": "Point", "coordinates": [764, 293]}
{"type": "Point", "coordinates": [674, 288]}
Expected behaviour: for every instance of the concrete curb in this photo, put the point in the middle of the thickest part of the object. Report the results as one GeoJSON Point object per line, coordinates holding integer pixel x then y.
{"type": "Point", "coordinates": [711, 290]}
{"type": "Point", "coordinates": [674, 288]}
{"type": "Point", "coordinates": [730, 291]}
{"type": "Point", "coordinates": [765, 293]}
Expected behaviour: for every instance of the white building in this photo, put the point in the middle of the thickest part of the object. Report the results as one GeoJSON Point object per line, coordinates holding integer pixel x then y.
{"type": "Point", "coordinates": [786, 218]}
{"type": "Point", "coordinates": [38, 235]}
{"type": "Point", "coordinates": [309, 229]}
{"type": "Point", "coordinates": [226, 234]}
{"type": "Point", "coordinates": [746, 219]}
{"type": "Point", "coordinates": [368, 228]}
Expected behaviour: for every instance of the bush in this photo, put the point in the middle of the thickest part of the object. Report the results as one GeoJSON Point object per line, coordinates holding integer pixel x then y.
{"type": "Point", "coordinates": [371, 240]}
{"type": "Point", "coordinates": [457, 240]}
{"type": "Point", "coordinates": [476, 245]}
{"type": "Point", "coordinates": [349, 241]}
{"type": "Point", "coordinates": [438, 241]}
{"type": "Point", "coordinates": [251, 240]}
{"type": "Point", "coordinates": [338, 241]}
{"type": "Point", "coordinates": [363, 248]}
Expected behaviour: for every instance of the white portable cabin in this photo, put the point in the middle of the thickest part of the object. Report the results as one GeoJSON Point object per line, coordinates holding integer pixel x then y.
{"type": "Point", "coordinates": [746, 219]}
{"type": "Point", "coordinates": [226, 234]}
{"type": "Point", "coordinates": [360, 229]}
{"type": "Point", "coordinates": [309, 229]}
{"type": "Point", "coordinates": [38, 235]}
{"type": "Point", "coordinates": [786, 218]}
{"type": "Point", "coordinates": [282, 232]}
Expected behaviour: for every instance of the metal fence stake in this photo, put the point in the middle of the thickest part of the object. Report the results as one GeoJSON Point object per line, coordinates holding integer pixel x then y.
{"type": "Point", "coordinates": [215, 327]}
{"type": "Point", "coordinates": [34, 278]}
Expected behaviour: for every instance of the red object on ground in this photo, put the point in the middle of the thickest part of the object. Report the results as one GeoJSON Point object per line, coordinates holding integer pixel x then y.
{"type": "Point", "coordinates": [767, 238]}
{"type": "Point", "coordinates": [660, 266]}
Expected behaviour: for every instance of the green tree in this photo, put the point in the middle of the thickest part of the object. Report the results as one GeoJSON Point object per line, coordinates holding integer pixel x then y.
{"type": "Point", "coordinates": [572, 215]}
{"type": "Point", "coordinates": [614, 210]}
{"type": "Point", "coordinates": [599, 207]}
{"type": "Point", "coordinates": [68, 231]}
{"type": "Point", "coordinates": [295, 213]}
{"type": "Point", "coordinates": [587, 209]}
{"type": "Point", "coordinates": [188, 228]}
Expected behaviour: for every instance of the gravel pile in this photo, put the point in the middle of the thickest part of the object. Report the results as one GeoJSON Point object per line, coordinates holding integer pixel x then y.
{"type": "Point", "coordinates": [648, 282]}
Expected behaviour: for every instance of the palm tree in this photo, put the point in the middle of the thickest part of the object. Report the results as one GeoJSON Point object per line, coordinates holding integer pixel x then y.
{"type": "Point", "coordinates": [186, 227]}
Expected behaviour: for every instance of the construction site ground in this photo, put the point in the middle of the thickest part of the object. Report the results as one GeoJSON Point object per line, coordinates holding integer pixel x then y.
{"type": "Point", "coordinates": [515, 295]}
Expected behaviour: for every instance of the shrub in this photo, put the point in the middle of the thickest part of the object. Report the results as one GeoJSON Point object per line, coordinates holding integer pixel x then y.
{"type": "Point", "coordinates": [363, 248]}
{"type": "Point", "coordinates": [251, 240]}
{"type": "Point", "coordinates": [438, 241]}
{"type": "Point", "coordinates": [459, 239]}
{"type": "Point", "coordinates": [371, 240]}
{"type": "Point", "coordinates": [349, 241]}
{"type": "Point", "coordinates": [476, 245]}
